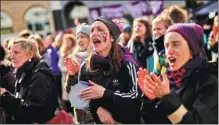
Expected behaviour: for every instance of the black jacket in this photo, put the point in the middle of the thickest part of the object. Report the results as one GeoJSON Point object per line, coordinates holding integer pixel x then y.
{"type": "Point", "coordinates": [141, 52]}
{"type": "Point", "coordinates": [7, 79]}
{"type": "Point", "coordinates": [121, 95]}
{"type": "Point", "coordinates": [35, 97]}
{"type": "Point", "coordinates": [200, 97]}
{"type": "Point", "coordinates": [71, 81]}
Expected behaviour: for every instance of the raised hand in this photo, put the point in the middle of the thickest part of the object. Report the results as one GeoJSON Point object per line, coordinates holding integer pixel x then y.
{"type": "Point", "coordinates": [95, 91]}
{"type": "Point", "coordinates": [142, 75]}
{"type": "Point", "coordinates": [152, 85]}
{"type": "Point", "coordinates": [158, 87]}
{"type": "Point", "coordinates": [72, 66]}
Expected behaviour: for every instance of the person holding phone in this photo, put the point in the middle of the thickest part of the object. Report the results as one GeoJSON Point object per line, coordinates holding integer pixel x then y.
{"type": "Point", "coordinates": [113, 92]}
{"type": "Point", "coordinates": [188, 93]}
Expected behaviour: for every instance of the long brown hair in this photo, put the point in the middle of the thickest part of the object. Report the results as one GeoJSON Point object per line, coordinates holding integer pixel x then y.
{"type": "Point", "coordinates": [147, 25]}
{"type": "Point", "coordinates": [114, 59]}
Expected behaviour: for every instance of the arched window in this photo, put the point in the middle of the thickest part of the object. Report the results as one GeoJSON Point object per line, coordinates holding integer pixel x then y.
{"type": "Point", "coordinates": [81, 12]}
{"type": "Point", "coordinates": [74, 10]}
{"type": "Point", "coordinates": [37, 19]}
{"type": "Point", "coordinates": [6, 23]}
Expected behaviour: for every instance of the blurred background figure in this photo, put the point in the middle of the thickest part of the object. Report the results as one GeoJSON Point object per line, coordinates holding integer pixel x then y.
{"type": "Point", "coordinates": [52, 60]}
{"type": "Point", "coordinates": [7, 79]}
{"type": "Point", "coordinates": [77, 22]}
{"type": "Point", "coordinates": [66, 49]}
{"type": "Point", "coordinates": [58, 40]}
{"type": "Point", "coordinates": [213, 39]}
{"type": "Point", "coordinates": [2, 80]}
{"type": "Point", "coordinates": [6, 45]}
{"type": "Point", "coordinates": [39, 42]}
{"type": "Point", "coordinates": [72, 63]}
{"type": "Point", "coordinates": [125, 35]}
{"type": "Point", "coordinates": [25, 34]}
{"type": "Point", "coordinates": [141, 43]}
{"type": "Point", "coordinates": [159, 26]}
{"type": "Point", "coordinates": [176, 14]}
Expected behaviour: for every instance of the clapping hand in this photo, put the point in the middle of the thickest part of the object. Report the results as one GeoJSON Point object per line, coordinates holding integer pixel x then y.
{"type": "Point", "coordinates": [152, 85]}
{"type": "Point", "coordinates": [72, 66]}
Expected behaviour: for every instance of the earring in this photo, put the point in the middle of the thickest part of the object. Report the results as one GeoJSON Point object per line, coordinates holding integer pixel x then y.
{"type": "Point", "coordinates": [29, 60]}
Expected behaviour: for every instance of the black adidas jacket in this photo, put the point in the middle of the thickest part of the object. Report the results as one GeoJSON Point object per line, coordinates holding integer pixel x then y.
{"type": "Point", "coordinates": [121, 95]}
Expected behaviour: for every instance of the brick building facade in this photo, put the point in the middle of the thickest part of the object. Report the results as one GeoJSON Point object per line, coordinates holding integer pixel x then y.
{"type": "Point", "coordinates": [16, 10]}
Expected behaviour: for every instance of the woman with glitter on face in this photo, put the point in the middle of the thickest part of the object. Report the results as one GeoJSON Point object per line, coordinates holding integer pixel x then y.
{"type": "Point", "coordinates": [112, 77]}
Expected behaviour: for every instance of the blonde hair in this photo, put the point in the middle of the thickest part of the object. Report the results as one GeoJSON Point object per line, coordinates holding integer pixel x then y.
{"type": "Point", "coordinates": [64, 50]}
{"type": "Point", "coordinates": [28, 46]}
{"type": "Point", "coordinates": [164, 19]}
{"type": "Point", "coordinates": [37, 38]}
{"type": "Point", "coordinates": [77, 48]}
{"type": "Point", "coordinates": [24, 33]}
{"type": "Point", "coordinates": [8, 42]}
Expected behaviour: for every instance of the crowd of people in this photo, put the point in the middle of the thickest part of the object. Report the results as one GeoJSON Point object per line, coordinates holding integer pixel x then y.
{"type": "Point", "coordinates": [151, 72]}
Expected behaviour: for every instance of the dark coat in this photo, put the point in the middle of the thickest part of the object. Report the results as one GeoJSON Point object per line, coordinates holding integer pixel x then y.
{"type": "Point", "coordinates": [121, 95]}
{"type": "Point", "coordinates": [2, 116]}
{"type": "Point", "coordinates": [200, 97]}
{"type": "Point", "coordinates": [141, 52]}
{"type": "Point", "coordinates": [7, 78]}
{"type": "Point", "coordinates": [35, 97]}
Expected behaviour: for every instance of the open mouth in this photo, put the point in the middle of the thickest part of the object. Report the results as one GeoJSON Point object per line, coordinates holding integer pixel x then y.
{"type": "Point", "coordinates": [172, 59]}
{"type": "Point", "coordinates": [96, 42]}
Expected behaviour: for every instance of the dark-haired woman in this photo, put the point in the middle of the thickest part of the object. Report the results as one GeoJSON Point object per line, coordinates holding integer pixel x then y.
{"type": "Point", "coordinates": [112, 77]}
{"type": "Point", "coordinates": [141, 43]}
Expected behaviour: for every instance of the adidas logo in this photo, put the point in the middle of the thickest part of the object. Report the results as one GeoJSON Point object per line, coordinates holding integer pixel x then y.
{"type": "Point", "coordinates": [115, 81]}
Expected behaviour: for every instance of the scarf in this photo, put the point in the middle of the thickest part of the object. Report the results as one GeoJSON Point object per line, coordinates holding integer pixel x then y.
{"type": "Point", "coordinates": [158, 43]}
{"type": "Point", "coordinates": [177, 78]}
{"type": "Point", "coordinates": [26, 67]}
{"type": "Point", "coordinates": [81, 56]}
{"type": "Point", "coordinates": [99, 62]}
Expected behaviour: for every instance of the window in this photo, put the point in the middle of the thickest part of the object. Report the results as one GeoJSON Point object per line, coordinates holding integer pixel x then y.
{"type": "Point", "coordinates": [37, 20]}
{"type": "Point", "coordinates": [81, 12]}
{"type": "Point", "coordinates": [6, 23]}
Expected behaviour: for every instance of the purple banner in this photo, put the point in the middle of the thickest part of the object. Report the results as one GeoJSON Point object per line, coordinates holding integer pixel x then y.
{"type": "Point", "coordinates": [135, 9]}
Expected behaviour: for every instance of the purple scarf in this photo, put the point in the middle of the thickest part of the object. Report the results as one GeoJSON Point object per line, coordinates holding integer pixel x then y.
{"type": "Point", "coordinates": [100, 62]}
